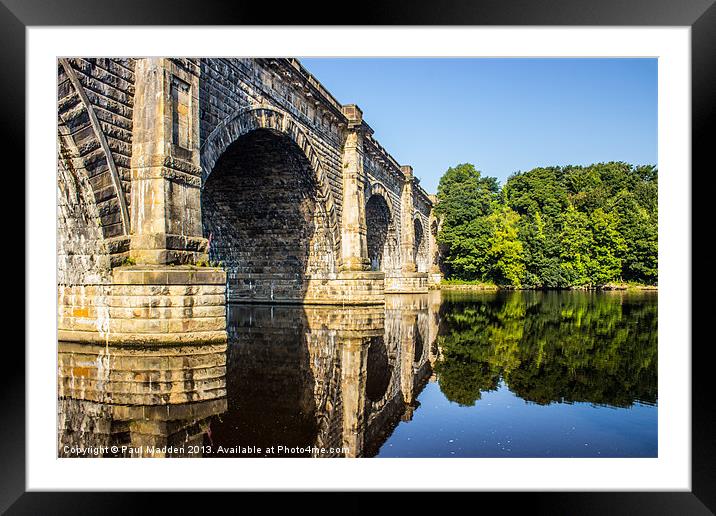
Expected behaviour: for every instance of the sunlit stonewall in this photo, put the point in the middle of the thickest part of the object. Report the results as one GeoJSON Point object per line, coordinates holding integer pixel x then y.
{"type": "Point", "coordinates": [184, 184]}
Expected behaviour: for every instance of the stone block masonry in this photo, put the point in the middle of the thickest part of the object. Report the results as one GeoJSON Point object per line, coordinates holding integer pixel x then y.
{"type": "Point", "coordinates": [407, 283]}
{"type": "Point", "coordinates": [146, 305]}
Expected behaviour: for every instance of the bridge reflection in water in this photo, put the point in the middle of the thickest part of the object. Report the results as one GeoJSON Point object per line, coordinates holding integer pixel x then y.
{"type": "Point", "coordinates": [527, 374]}
{"type": "Point", "coordinates": [309, 381]}
{"type": "Point", "coordinates": [140, 400]}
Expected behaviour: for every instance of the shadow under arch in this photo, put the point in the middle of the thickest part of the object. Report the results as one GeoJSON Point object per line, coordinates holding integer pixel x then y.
{"type": "Point", "coordinates": [266, 218]}
{"type": "Point", "coordinates": [270, 384]}
{"type": "Point", "coordinates": [379, 371]}
{"type": "Point", "coordinates": [419, 344]}
{"type": "Point", "coordinates": [378, 221]}
{"type": "Point", "coordinates": [419, 245]}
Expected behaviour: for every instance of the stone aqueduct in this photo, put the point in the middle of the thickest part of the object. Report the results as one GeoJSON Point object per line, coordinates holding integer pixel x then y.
{"type": "Point", "coordinates": [184, 184]}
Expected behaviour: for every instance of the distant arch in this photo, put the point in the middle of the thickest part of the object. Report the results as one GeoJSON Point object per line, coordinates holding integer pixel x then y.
{"type": "Point", "coordinates": [434, 228]}
{"type": "Point", "coordinates": [379, 221]}
{"type": "Point", "coordinates": [378, 188]}
{"type": "Point", "coordinates": [419, 241]}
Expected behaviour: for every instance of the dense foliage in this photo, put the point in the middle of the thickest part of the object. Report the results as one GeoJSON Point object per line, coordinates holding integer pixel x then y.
{"type": "Point", "coordinates": [551, 347]}
{"type": "Point", "coordinates": [550, 227]}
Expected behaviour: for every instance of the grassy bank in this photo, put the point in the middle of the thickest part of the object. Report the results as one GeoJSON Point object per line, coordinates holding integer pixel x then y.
{"type": "Point", "coordinates": [455, 284]}
{"type": "Point", "coordinates": [629, 286]}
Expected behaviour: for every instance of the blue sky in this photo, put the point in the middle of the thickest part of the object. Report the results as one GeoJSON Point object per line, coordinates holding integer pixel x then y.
{"type": "Point", "coordinates": [502, 115]}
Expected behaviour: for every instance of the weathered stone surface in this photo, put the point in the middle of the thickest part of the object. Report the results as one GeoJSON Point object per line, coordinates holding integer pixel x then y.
{"type": "Point", "coordinates": [407, 283]}
{"type": "Point", "coordinates": [146, 305]}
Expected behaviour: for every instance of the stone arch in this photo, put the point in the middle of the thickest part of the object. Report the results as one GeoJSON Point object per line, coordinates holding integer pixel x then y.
{"type": "Point", "coordinates": [377, 188]}
{"type": "Point", "coordinates": [266, 208]}
{"type": "Point", "coordinates": [434, 257]}
{"type": "Point", "coordinates": [378, 222]}
{"type": "Point", "coordinates": [252, 118]}
{"type": "Point", "coordinates": [420, 241]}
{"type": "Point", "coordinates": [82, 256]}
{"type": "Point", "coordinates": [381, 234]}
{"type": "Point", "coordinates": [80, 128]}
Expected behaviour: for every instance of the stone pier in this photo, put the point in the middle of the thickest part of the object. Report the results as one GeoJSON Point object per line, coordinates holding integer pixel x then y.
{"type": "Point", "coordinates": [409, 279]}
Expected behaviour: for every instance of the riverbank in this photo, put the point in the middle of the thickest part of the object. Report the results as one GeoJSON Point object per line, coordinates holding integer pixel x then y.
{"type": "Point", "coordinates": [467, 285]}
{"type": "Point", "coordinates": [629, 286]}
{"type": "Point", "coordinates": [479, 286]}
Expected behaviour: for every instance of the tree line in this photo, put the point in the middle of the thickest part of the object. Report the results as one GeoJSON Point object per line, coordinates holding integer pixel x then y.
{"type": "Point", "coordinates": [550, 227]}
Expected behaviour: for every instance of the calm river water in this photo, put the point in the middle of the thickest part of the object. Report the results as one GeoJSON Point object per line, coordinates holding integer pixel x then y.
{"type": "Point", "coordinates": [509, 374]}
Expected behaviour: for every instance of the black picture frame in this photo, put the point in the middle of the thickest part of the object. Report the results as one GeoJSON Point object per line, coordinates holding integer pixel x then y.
{"type": "Point", "coordinates": [700, 15]}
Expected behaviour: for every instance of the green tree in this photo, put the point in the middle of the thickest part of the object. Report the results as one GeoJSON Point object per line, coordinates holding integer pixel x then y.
{"type": "Point", "coordinates": [506, 254]}
{"type": "Point", "coordinates": [576, 245]}
{"type": "Point", "coordinates": [540, 190]}
{"type": "Point", "coordinates": [638, 214]}
{"type": "Point", "coordinates": [466, 248]}
{"type": "Point", "coordinates": [465, 200]}
{"type": "Point", "coordinates": [463, 194]}
{"type": "Point", "coordinates": [607, 245]}
{"type": "Point", "coordinates": [585, 188]}
{"type": "Point", "coordinates": [540, 197]}
{"type": "Point", "coordinates": [540, 239]}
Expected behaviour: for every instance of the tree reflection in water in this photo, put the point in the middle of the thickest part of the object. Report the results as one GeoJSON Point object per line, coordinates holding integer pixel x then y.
{"type": "Point", "coordinates": [550, 347]}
